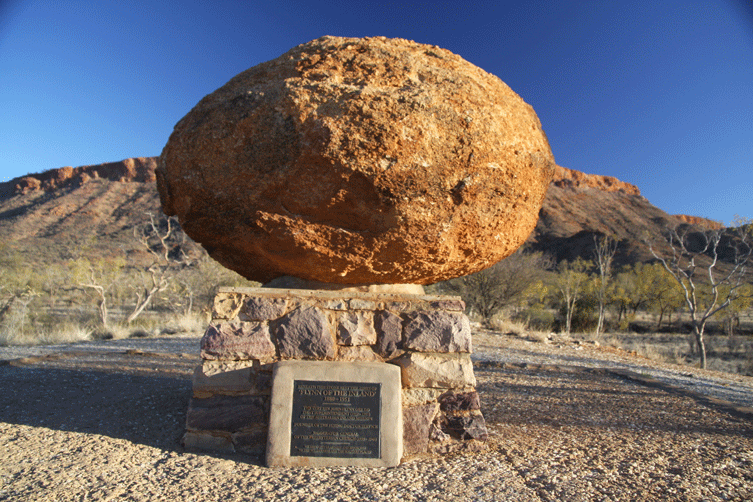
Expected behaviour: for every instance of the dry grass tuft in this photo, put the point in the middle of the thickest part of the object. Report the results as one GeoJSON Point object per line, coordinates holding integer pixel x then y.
{"type": "Point", "coordinates": [519, 329]}
{"type": "Point", "coordinates": [80, 330]}
{"type": "Point", "coordinates": [64, 333]}
{"type": "Point", "coordinates": [507, 326]}
{"type": "Point", "coordinates": [185, 324]}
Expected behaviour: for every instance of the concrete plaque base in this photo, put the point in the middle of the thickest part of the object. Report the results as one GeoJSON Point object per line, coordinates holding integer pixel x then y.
{"type": "Point", "coordinates": [335, 413]}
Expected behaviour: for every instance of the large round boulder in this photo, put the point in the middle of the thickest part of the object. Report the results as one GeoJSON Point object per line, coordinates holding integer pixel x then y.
{"type": "Point", "coordinates": [353, 161]}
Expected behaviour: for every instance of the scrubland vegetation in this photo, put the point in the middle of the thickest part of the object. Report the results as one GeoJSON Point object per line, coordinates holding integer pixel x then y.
{"type": "Point", "coordinates": [165, 284]}
{"type": "Point", "coordinates": [162, 284]}
{"type": "Point", "coordinates": [693, 304]}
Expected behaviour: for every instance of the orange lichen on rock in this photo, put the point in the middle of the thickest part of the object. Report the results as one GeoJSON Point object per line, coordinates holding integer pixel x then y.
{"type": "Point", "coordinates": [358, 161]}
{"type": "Point", "coordinates": [570, 178]}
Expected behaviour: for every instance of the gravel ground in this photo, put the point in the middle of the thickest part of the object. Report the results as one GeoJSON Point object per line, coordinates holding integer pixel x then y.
{"type": "Point", "coordinates": [491, 346]}
{"type": "Point", "coordinates": [102, 421]}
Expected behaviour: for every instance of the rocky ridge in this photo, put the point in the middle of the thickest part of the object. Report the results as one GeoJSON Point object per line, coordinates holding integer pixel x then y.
{"type": "Point", "coordinates": [141, 169]}
{"type": "Point", "coordinates": [570, 178]}
{"type": "Point", "coordinates": [103, 203]}
{"type": "Point", "coordinates": [136, 169]}
{"type": "Point", "coordinates": [699, 221]}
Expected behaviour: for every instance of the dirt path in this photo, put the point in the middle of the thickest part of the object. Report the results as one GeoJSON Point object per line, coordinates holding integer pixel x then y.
{"type": "Point", "coordinates": [105, 425]}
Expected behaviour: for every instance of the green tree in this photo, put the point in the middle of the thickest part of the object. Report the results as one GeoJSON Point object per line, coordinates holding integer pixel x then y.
{"type": "Point", "coordinates": [662, 292]}
{"type": "Point", "coordinates": [18, 289]}
{"type": "Point", "coordinates": [504, 283]}
{"type": "Point", "coordinates": [741, 303]}
{"type": "Point", "coordinates": [646, 287]}
{"type": "Point", "coordinates": [624, 293]}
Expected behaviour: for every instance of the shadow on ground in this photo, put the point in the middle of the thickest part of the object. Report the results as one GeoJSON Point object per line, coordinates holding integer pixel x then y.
{"type": "Point", "coordinates": [147, 410]}
{"type": "Point", "coordinates": [118, 397]}
{"type": "Point", "coordinates": [576, 397]}
{"type": "Point", "coordinates": [143, 398]}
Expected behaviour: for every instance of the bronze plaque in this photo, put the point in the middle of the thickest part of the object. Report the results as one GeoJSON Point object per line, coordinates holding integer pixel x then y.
{"type": "Point", "coordinates": [335, 419]}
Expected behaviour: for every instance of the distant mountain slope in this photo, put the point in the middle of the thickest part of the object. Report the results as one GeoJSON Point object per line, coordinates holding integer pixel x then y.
{"type": "Point", "coordinates": [579, 206]}
{"type": "Point", "coordinates": [52, 215]}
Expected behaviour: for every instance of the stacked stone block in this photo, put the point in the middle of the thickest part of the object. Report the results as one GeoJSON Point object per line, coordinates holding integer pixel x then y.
{"type": "Point", "coordinates": [429, 337]}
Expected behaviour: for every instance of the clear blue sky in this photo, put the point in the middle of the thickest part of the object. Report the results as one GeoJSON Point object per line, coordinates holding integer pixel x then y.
{"type": "Point", "coordinates": [656, 93]}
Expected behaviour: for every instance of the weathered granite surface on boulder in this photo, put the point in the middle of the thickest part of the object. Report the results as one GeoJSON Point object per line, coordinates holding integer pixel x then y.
{"type": "Point", "coordinates": [358, 161]}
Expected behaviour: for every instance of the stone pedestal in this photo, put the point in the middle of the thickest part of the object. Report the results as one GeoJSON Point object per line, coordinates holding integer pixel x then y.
{"type": "Point", "coordinates": [427, 337]}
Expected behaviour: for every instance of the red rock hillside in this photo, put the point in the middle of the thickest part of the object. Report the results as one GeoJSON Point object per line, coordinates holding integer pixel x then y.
{"type": "Point", "coordinates": [101, 203]}
{"type": "Point", "coordinates": [139, 169]}
{"type": "Point", "coordinates": [699, 221]}
{"type": "Point", "coordinates": [569, 178]}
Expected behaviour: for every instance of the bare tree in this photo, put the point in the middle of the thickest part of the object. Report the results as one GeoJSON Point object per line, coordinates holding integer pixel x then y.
{"type": "Point", "coordinates": [706, 289]}
{"type": "Point", "coordinates": [570, 281]}
{"type": "Point", "coordinates": [199, 283]}
{"type": "Point", "coordinates": [99, 277]}
{"type": "Point", "coordinates": [490, 290]}
{"type": "Point", "coordinates": [165, 242]}
{"type": "Point", "coordinates": [604, 250]}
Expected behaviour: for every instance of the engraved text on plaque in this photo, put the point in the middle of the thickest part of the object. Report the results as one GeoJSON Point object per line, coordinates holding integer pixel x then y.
{"type": "Point", "coordinates": [335, 419]}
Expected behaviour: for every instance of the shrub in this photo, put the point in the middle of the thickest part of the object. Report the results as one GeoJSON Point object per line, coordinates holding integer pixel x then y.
{"type": "Point", "coordinates": [584, 317]}
{"type": "Point", "coordinates": [537, 319]}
